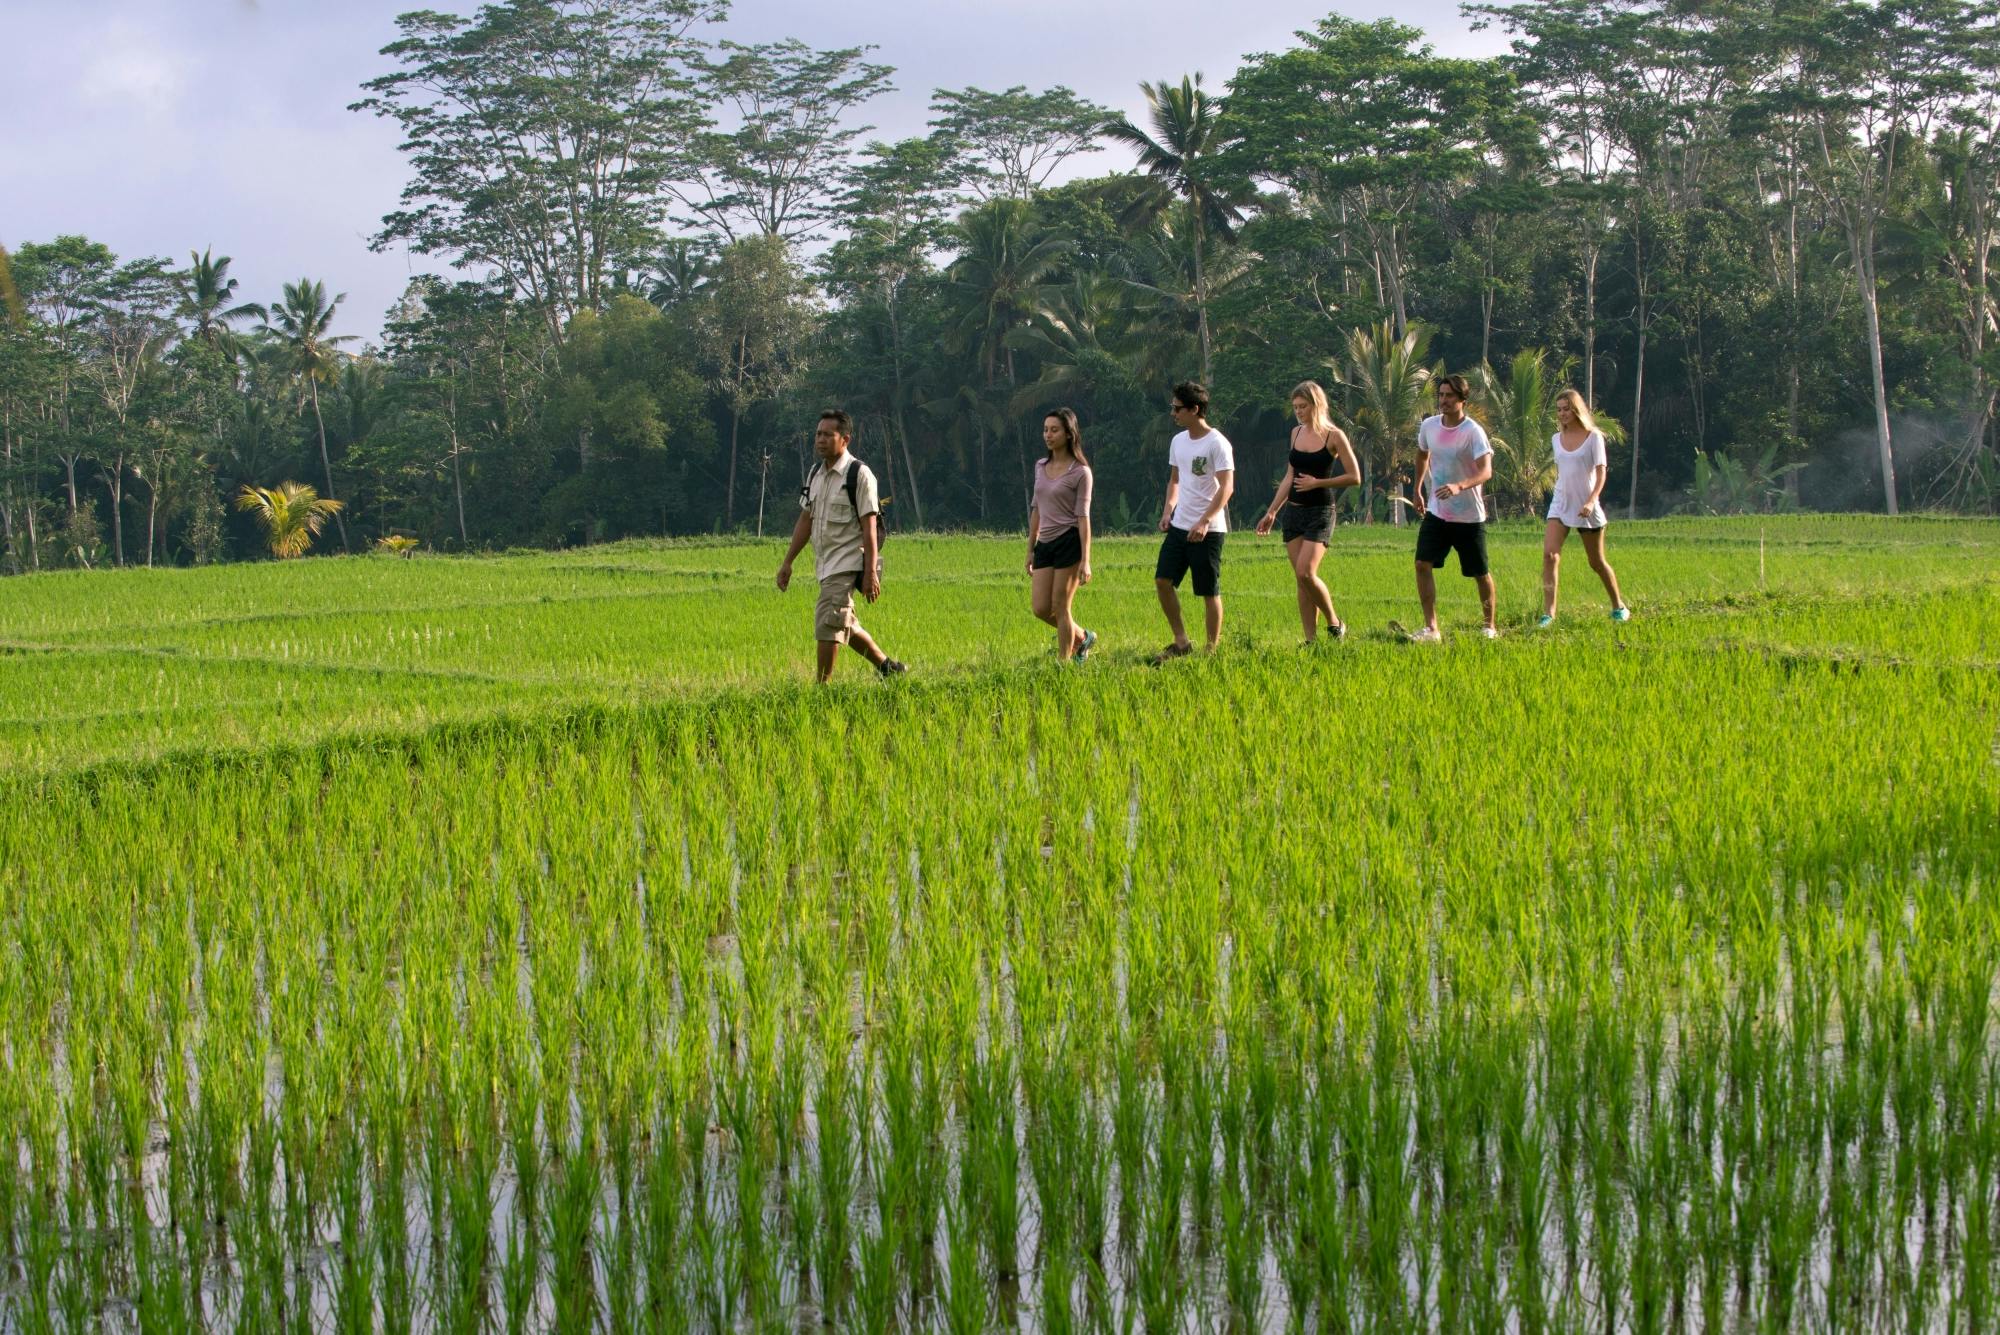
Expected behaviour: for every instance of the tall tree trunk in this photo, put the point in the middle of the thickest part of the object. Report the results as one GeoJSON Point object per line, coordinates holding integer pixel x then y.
{"type": "Point", "coordinates": [152, 520]}
{"type": "Point", "coordinates": [114, 483]}
{"type": "Point", "coordinates": [1639, 372]}
{"type": "Point", "coordinates": [896, 364]}
{"type": "Point", "coordinates": [1865, 273]}
{"type": "Point", "coordinates": [763, 478]}
{"type": "Point", "coordinates": [735, 422]}
{"type": "Point", "coordinates": [326, 460]}
{"type": "Point", "coordinates": [1200, 303]}
{"type": "Point", "coordinates": [1021, 444]}
{"type": "Point", "coordinates": [1590, 255]}
{"type": "Point", "coordinates": [458, 492]}
{"type": "Point", "coordinates": [34, 541]}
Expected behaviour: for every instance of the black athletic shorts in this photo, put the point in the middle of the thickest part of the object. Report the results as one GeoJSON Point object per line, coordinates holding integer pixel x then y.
{"type": "Point", "coordinates": [1060, 552]}
{"type": "Point", "coordinates": [1178, 557]}
{"type": "Point", "coordinates": [1314, 523]}
{"type": "Point", "coordinates": [1438, 538]}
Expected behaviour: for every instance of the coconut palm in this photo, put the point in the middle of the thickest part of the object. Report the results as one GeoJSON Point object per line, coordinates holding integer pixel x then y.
{"type": "Point", "coordinates": [1179, 157]}
{"type": "Point", "coordinates": [291, 515]}
{"type": "Point", "coordinates": [1387, 384]}
{"type": "Point", "coordinates": [1518, 411]}
{"type": "Point", "coordinates": [206, 291]}
{"type": "Point", "coordinates": [299, 324]}
{"type": "Point", "coordinates": [998, 283]}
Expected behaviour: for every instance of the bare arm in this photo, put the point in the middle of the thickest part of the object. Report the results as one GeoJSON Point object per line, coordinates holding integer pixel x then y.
{"type": "Point", "coordinates": [801, 535]}
{"type": "Point", "coordinates": [1173, 497]}
{"type": "Point", "coordinates": [1284, 490]}
{"type": "Point", "coordinates": [1034, 532]}
{"type": "Point", "coordinates": [1350, 467]}
{"type": "Point", "coordinates": [871, 556]}
{"type": "Point", "coordinates": [1597, 479]}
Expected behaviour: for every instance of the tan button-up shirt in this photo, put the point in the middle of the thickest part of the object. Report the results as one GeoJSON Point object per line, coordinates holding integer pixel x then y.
{"type": "Point", "coordinates": [836, 526]}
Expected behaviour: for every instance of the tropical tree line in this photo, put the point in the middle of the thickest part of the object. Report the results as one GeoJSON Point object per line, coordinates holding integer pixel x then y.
{"type": "Point", "coordinates": [1758, 235]}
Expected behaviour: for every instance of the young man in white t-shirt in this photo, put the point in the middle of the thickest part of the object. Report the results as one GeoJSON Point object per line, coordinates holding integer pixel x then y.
{"type": "Point", "coordinates": [1201, 477]}
{"type": "Point", "coordinates": [1452, 450]}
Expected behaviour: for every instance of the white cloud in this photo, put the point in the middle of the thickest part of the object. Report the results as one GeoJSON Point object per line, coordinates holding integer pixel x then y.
{"type": "Point", "coordinates": [127, 65]}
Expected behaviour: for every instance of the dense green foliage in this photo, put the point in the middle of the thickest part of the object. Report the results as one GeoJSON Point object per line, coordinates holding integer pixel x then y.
{"type": "Point", "coordinates": [1617, 976]}
{"type": "Point", "coordinates": [1759, 235]}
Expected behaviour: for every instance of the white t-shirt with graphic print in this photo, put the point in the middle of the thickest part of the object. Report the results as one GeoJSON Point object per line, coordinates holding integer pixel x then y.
{"type": "Point", "coordinates": [1455, 454]}
{"type": "Point", "coordinates": [1199, 461]}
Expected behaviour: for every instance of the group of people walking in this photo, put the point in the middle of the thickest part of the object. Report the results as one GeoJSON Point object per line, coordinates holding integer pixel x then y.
{"type": "Point", "coordinates": [840, 514]}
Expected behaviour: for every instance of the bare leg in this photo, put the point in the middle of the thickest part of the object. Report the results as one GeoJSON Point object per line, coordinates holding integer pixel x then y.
{"type": "Point", "coordinates": [1489, 597]}
{"type": "Point", "coordinates": [1044, 593]}
{"type": "Point", "coordinates": [862, 643]}
{"type": "Point", "coordinates": [1427, 594]}
{"type": "Point", "coordinates": [1593, 547]}
{"type": "Point", "coordinates": [1212, 614]}
{"type": "Point", "coordinates": [1069, 635]}
{"type": "Point", "coordinates": [1552, 546]}
{"type": "Point", "coordinates": [1314, 600]}
{"type": "Point", "coordinates": [828, 651]}
{"type": "Point", "coordinates": [1170, 603]}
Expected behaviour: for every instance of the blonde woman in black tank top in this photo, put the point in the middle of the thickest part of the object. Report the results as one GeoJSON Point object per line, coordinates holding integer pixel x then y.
{"type": "Point", "coordinates": [1321, 463]}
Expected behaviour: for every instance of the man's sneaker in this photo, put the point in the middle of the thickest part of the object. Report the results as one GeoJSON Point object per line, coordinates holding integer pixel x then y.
{"type": "Point", "coordinates": [1621, 614]}
{"type": "Point", "coordinates": [890, 667]}
{"type": "Point", "coordinates": [1428, 635]}
{"type": "Point", "coordinates": [1089, 643]}
{"type": "Point", "coordinates": [1544, 621]}
{"type": "Point", "coordinates": [1490, 632]}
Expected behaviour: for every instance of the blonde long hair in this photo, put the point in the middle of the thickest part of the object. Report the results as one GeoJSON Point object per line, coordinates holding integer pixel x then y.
{"type": "Point", "coordinates": [1579, 407]}
{"type": "Point", "coordinates": [1322, 417]}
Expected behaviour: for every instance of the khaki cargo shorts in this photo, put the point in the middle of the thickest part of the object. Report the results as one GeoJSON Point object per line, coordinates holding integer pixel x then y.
{"type": "Point", "coordinates": [833, 618]}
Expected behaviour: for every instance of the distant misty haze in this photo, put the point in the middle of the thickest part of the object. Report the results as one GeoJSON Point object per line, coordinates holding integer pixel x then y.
{"type": "Point", "coordinates": [173, 125]}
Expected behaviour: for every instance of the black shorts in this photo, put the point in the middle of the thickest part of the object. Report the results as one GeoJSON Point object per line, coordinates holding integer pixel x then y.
{"type": "Point", "coordinates": [1314, 523]}
{"type": "Point", "coordinates": [1178, 557]}
{"type": "Point", "coordinates": [1060, 552]}
{"type": "Point", "coordinates": [1438, 538]}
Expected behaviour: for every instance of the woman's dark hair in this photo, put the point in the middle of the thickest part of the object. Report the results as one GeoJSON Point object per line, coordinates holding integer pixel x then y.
{"type": "Point", "coordinates": [1192, 394]}
{"type": "Point", "coordinates": [1075, 433]}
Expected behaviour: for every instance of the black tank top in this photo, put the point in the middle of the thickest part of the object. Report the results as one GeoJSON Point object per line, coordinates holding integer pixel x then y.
{"type": "Point", "coordinates": [1318, 463]}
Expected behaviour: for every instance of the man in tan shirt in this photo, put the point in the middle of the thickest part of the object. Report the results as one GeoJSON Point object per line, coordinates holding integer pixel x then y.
{"type": "Point", "coordinates": [842, 523]}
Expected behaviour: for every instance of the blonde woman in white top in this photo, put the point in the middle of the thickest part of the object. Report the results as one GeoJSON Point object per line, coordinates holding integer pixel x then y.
{"type": "Point", "coordinates": [1577, 503]}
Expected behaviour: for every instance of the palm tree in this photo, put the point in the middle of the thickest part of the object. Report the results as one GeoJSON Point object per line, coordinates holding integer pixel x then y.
{"type": "Point", "coordinates": [291, 515]}
{"type": "Point", "coordinates": [680, 274]}
{"type": "Point", "coordinates": [1177, 155]}
{"type": "Point", "coordinates": [206, 291]}
{"type": "Point", "coordinates": [1518, 410]}
{"type": "Point", "coordinates": [999, 282]}
{"type": "Point", "coordinates": [300, 323]}
{"type": "Point", "coordinates": [1386, 380]}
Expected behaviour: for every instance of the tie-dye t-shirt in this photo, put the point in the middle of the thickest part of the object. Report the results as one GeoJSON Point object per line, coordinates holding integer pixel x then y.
{"type": "Point", "coordinates": [1455, 453]}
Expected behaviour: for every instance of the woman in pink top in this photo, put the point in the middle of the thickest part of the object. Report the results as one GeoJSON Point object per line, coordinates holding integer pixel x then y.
{"type": "Point", "coordinates": [1059, 532]}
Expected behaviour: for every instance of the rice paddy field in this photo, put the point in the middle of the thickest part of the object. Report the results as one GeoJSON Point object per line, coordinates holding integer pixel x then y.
{"type": "Point", "coordinates": [522, 943]}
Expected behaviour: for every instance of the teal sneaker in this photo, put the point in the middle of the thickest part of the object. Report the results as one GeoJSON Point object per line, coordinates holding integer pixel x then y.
{"type": "Point", "coordinates": [1621, 614]}
{"type": "Point", "coordinates": [1544, 621]}
{"type": "Point", "coordinates": [1089, 643]}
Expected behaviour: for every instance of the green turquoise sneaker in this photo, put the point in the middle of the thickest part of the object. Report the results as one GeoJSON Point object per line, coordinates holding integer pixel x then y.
{"type": "Point", "coordinates": [1544, 621]}
{"type": "Point", "coordinates": [1621, 614]}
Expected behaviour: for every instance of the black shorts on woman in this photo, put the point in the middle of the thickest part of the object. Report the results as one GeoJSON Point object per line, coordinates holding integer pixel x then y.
{"type": "Point", "coordinates": [1314, 523]}
{"type": "Point", "coordinates": [1061, 552]}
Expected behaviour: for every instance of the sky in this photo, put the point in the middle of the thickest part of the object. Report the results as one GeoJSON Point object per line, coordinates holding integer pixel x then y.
{"type": "Point", "coordinates": [164, 126]}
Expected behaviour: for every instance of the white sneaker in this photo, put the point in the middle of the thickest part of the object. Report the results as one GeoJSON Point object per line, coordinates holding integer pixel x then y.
{"type": "Point", "coordinates": [1490, 632]}
{"type": "Point", "coordinates": [1428, 635]}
